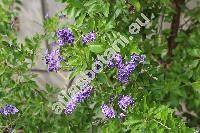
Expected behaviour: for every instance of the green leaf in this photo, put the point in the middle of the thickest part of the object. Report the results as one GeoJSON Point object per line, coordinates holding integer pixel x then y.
{"type": "Point", "coordinates": [134, 49]}
{"type": "Point", "coordinates": [106, 7]}
{"type": "Point", "coordinates": [97, 49]}
{"type": "Point", "coordinates": [194, 52]}
{"type": "Point", "coordinates": [89, 3]}
{"type": "Point", "coordinates": [80, 20]}
{"type": "Point", "coordinates": [196, 86]}
{"type": "Point", "coordinates": [133, 2]}
{"type": "Point", "coordinates": [2, 70]}
{"type": "Point", "coordinates": [137, 6]}
{"type": "Point", "coordinates": [136, 3]}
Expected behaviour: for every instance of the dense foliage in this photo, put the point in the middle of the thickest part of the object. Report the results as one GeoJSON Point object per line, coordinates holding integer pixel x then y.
{"type": "Point", "coordinates": [166, 80]}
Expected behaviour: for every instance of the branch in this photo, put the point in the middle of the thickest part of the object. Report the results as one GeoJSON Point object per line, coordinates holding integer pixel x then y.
{"type": "Point", "coordinates": [186, 22]}
{"type": "Point", "coordinates": [174, 27]}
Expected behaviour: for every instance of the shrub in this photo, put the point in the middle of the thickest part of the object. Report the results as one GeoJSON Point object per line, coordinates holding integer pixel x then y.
{"type": "Point", "coordinates": [137, 89]}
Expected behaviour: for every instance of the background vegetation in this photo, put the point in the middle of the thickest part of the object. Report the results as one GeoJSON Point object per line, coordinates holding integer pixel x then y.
{"type": "Point", "coordinates": [169, 81]}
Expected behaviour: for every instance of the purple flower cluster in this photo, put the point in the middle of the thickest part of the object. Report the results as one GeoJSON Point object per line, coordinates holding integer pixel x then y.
{"type": "Point", "coordinates": [65, 36]}
{"type": "Point", "coordinates": [125, 101]}
{"type": "Point", "coordinates": [70, 106]}
{"type": "Point", "coordinates": [77, 98]}
{"type": "Point", "coordinates": [8, 109]}
{"type": "Point", "coordinates": [124, 70]}
{"type": "Point", "coordinates": [108, 111]}
{"type": "Point", "coordinates": [82, 95]}
{"type": "Point", "coordinates": [89, 38]}
{"type": "Point", "coordinates": [53, 60]}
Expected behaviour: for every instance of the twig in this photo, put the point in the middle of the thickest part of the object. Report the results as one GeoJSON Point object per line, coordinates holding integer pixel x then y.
{"type": "Point", "coordinates": [39, 70]}
{"type": "Point", "coordinates": [181, 26]}
{"type": "Point", "coordinates": [43, 15]}
{"type": "Point", "coordinates": [161, 124]}
{"type": "Point", "coordinates": [70, 83]}
{"type": "Point", "coordinates": [40, 93]}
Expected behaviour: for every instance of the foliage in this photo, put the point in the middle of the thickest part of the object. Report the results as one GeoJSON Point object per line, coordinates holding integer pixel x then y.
{"type": "Point", "coordinates": [167, 81]}
{"type": "Point", "coordinates": [158, 86]}
{"type": "Point", "coordinates": [16, 82]}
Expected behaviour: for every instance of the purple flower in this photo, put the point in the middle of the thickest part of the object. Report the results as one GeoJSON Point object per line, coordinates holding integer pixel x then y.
{"type": "Point", "coordinates": [53, 43]}
{"type": "Point", "coordinates": [107, 111]}
{"type": "Point", "coordinates": [53, 60]}
{"type": "Point", "coordinates": [85, 39]}
{"type": "Point", "coordinates": [77, 98]}
{"type": "Point", "coordinates": [70, 107]}
{"type": "Point", "coordinates": [8, 109]}
{"type": "Point", "coordinates": [83, 94]}
{"type": "Point", "coordinates": [65, 36]}
{"type": "Point", "coordinates": [125, 71]}
{"type": "Point", "coordinates": [142, 58]}
{"type": "Point", "coordinates": [92, 36]}
{"type": "Point", "coordinates": [61, 42]}
{"type": "Point", "coordinates": [111, 64]}
{"type": "Point", "coordinates": [138, 58]}
{"type": "Point", "coordinates": [89, 38]}
{"type": "Point", "coordinates": [118, 60]}
{"type": "Point", "coordinates": [125, 101]}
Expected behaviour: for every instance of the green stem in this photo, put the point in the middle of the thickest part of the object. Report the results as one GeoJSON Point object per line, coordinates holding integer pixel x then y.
{"type": "Point", "coordinates": [161, 124]}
